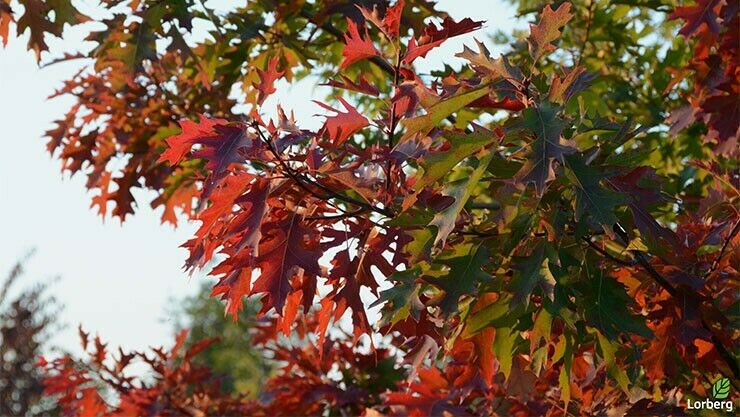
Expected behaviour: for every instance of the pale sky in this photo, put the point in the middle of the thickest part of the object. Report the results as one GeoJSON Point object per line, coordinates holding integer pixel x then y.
{"type": "Point", "coordinates": [118, 280]}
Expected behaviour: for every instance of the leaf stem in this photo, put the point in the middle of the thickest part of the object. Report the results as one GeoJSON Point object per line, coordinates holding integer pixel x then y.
{"type": "Point", "coordinates": [392, 126]}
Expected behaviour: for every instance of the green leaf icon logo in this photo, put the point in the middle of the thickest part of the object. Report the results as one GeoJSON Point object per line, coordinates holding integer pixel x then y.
{"type": "Point", "coordinates": [721, 389]}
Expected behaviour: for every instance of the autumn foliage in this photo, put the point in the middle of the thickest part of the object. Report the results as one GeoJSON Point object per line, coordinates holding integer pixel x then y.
{"type": "Point", "coordinates": [553, 231]}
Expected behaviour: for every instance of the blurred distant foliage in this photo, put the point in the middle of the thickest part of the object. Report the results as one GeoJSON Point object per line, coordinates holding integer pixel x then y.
{"type": "Point", "coordinates": [549, 232]}
{"type": "Point", "coordinates": [244, 367]}
{"type": "Point", "coordinates": [27, 320]}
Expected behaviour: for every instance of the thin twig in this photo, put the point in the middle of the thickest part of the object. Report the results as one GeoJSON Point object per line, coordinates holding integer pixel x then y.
{"type": "Point", "coordinates": [493, 205]}
{"type": "Point", "coordinates": [392, 127]}
{"type": "Point", "coordinates": [606, 254]}
{"type": "Point", "coordinates": [302, 180]}
{"type": "Point", "coordinates": [717, 260]}
{"type": "Point", "coordinates": [588, 32]}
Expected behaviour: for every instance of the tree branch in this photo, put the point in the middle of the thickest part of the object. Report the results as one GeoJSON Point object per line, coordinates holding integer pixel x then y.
{"type": "Point", "coordinates": [641, 258]}
{"type": "Point", "coordinates": [302, 180]}
{"type": "Point", "coordinates": [721, 253]}
{"type": "Point", "coordinates": [606, 254]}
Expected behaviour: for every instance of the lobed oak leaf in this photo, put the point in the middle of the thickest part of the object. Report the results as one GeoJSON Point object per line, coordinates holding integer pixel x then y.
{"type": "Point", "coordinates": [464, 263]}
{"type": "Point", "coordinates": [391, 21]}
{"type": "Point", "coordinates": [266, 85]}
{"type": "Point", "coordinates": [547, 145]}
{"type": "Point", "coordinates": [356, 48]}
{"type": "Point", "coordinates": [191, 132]}
{"type": "Point", "coordinates": [287, 248]}
{"type": "Point", "coordinates": [547, 30]}
{"type": "Point", "coordinates": [220, 144]}
{"type": "Point", "coordinates": [703, 13]}
{"type": "Point", "coordinates": [724, 120]}
{"type": "Point", "coordinates": [101, 200]}
{"type": "Point", "coordinates": [532, 271]}
{"type": "Point", "coordinates": [483, 64]}
{"type": "Point", "coordinates": [39, 18]}
{"type": "Point", "coordinates": [348, 294]}
{"type": "Point", "coordinates": [343, 125]}
{"type": "Point", "coordinates": [361, 86]}
{"type": "Point", "coordinates": [434, 36]}
{"type": "Point", "coordinates": [436, 164]}
{"type": "Point", "coordinates": [592, 199]}
{"type": "Point", "coordinates": [461, 191]}
{"type": "Point", "coordinates": [607, 307]}
{"type": "Point", "coordinates": [656, 358]}
{"type": "Point", "coordinates": [232, 288]}
{"type": "Point", "coordinates": [574, 81]}
{"type": "Point", "coordinates": [122, 196]}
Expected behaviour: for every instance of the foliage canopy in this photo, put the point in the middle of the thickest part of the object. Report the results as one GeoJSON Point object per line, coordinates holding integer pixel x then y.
{"type": "Point", "coordinates": [557, 225]}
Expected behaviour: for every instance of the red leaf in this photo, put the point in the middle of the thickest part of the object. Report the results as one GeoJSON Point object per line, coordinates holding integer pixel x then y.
{"type": "Point", "coordinates": [435, 36]}
{"type": "Point", "coordinates": [232, 288]}
{"type": "Point", "coordinates": [6, 16]}
{"type": "Point", "coordinates": [266, 86]}
{"type": "Point", "coordinates": [192, 132]}
{"type": "Point", "coordinates": [209, 234]}
{"type": "Point", "coordinates": [507, 103]}
{"type": "Point", "coordinates": [392, 19]}
{"type": "Point", "coordinates": [547, 30]}
{"type": "Point", "coordinates": [724, 119]}
{"type": "Point", "coordinates": [391, 22]}
{"type": "Point", "coordinates": [101, 200]}
{"type": "Point", "coordinates": [641, 199]}
{"type": "Point", "coordinates": [287, 248]}
{"type": "Point", "coordinates": [356, 48]}
{"type": "Point", "coordinates": [221, 144]}
{"type": "Point", "coordinates": [343, 125]}
{"type": "Point", "coordinates": [361, 86]}
{"type": "Point", "coordinates": [703, 13]}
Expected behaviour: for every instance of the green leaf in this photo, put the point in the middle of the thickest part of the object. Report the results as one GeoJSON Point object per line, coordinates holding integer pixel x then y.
{"type": "Point", "coordinates": [721, 389]}
{"type": "Point", "coordinates": [605, 301]}
{"type": "Point", "coordinates": [547, 145]}
{"type": "Point", "coordinates": [608, 353]}
{"type": "Point", "coordinates": [503, 348]}
{"type": "Point", "coordinates": [464, 262]}
{"type": "Point", "coordinates": [591, 198]}
{"type": "Point", "coordinates": [532, 271]}
{"type": "Point", "coordinates": [564, 350]}
{"type": "Point", "coordinates": [497, 314]}
{"type": "Point", "coordinates": [462, 145]}
{"type": "Point", "coordinates": [541, 329]}
{"type": "Point", "coordinates": [401, 297]}
{"type": "Point", "coordinates": [461, 191]}
{"type": "Point", "coordinates": [439, 111]}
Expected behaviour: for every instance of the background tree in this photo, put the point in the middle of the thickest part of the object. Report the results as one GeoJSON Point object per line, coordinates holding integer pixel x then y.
{"type": "Point", "coordinates": [245, 368]}
{"type": "Point", "coordinates": [26, 322]}
{"type": "Point", "coordinates": [558, 225]}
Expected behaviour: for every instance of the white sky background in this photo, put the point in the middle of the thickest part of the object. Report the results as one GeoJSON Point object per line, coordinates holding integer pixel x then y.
{"type": "Point", "coordinates": [118, 280]}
